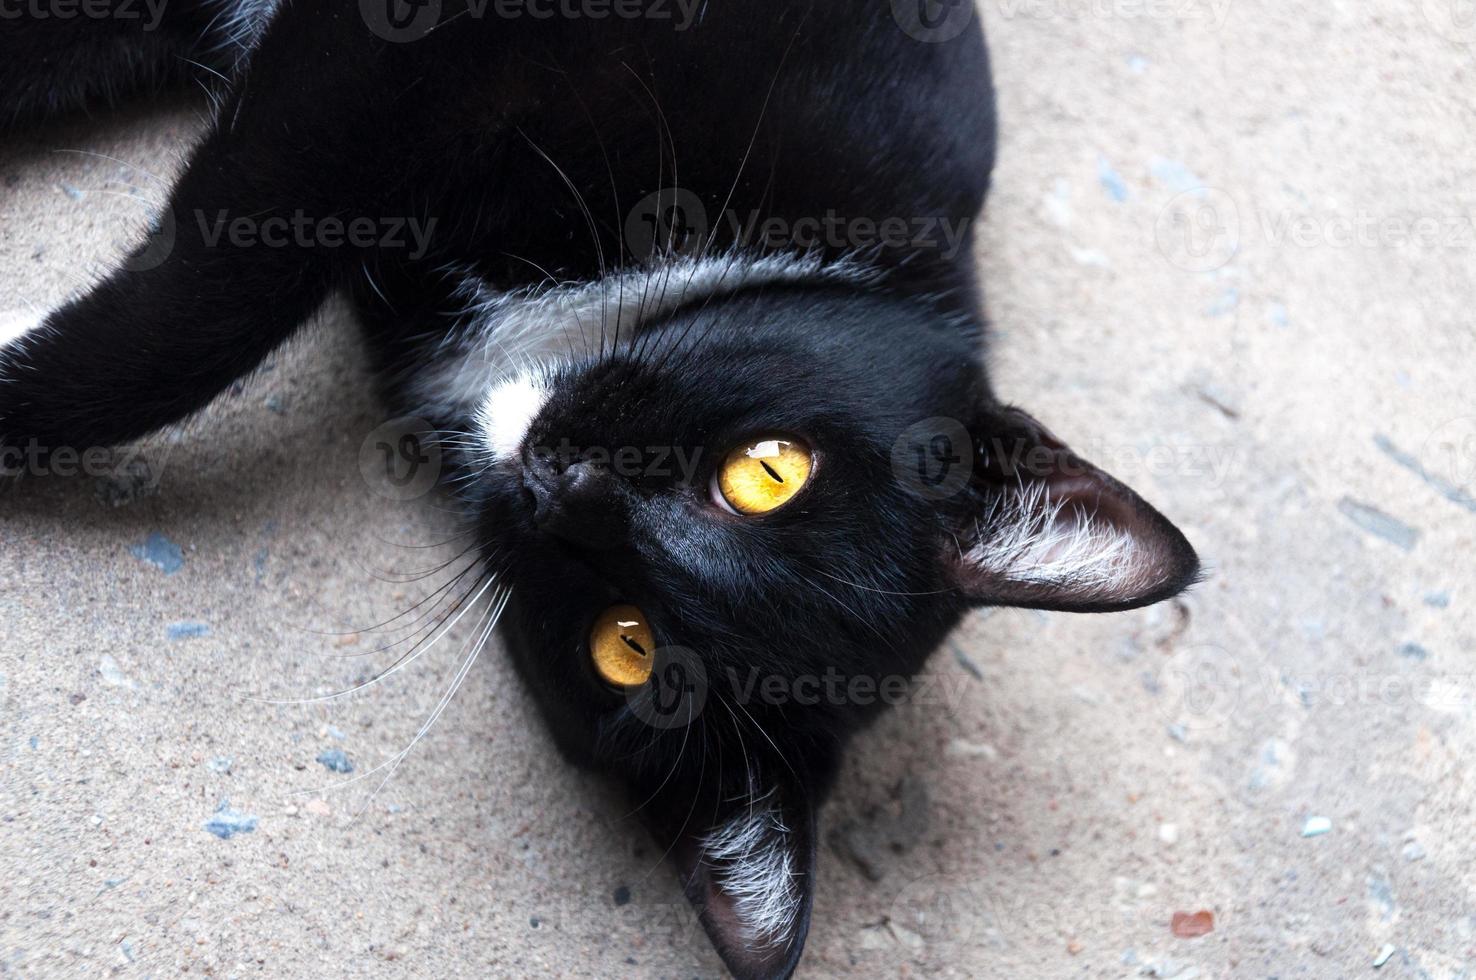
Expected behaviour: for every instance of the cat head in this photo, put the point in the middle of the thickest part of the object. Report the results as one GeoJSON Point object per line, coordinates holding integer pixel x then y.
{"type": "Point", "coordinates": [728, 535]}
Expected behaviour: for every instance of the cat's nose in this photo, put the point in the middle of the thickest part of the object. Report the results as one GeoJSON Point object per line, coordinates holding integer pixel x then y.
{"type": "Point", "coordinates": [580, 502]}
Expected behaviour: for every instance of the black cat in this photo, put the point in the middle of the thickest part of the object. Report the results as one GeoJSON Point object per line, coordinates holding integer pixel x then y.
{"type": "Point", "coordinates": [686, 291]}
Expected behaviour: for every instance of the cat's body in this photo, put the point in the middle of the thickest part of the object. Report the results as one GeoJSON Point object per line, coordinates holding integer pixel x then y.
{"type": "Point", "coordinates": [667, 234]}
{"type": "Point", "coordinates": [494, 134]}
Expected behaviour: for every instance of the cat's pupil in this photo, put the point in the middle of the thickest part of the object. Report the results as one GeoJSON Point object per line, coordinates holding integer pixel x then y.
{"type": "Point", "coordinates": [634, 645]}
{"type": "Point", "coordinates": [770, 470]}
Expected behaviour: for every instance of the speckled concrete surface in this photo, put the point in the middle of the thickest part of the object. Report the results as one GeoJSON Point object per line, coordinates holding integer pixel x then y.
{"type": "Point", "coordinates": [1230, 255]}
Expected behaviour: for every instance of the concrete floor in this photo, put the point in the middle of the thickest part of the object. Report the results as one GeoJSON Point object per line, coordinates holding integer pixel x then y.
{"type": "Point", "coordinates": [1230, 254]}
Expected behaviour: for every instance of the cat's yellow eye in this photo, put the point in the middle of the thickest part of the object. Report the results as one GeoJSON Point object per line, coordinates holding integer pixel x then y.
{"type": "Point", "coordinates": [622, 646]}
{"type": "Point", "coordinates": [763, 474]}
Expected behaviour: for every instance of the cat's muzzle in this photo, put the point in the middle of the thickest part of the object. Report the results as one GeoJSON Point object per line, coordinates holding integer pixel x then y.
{"type": "Point", "coordinates": [581, 503]}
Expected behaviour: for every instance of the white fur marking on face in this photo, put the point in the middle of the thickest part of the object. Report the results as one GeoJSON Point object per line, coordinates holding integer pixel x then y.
{"type": "Point", "coordinates": [1028, 538]}
{"type": "Point", "coordinates": [507, 413]}
{"type": "Point", "coordinates": [754, 866]}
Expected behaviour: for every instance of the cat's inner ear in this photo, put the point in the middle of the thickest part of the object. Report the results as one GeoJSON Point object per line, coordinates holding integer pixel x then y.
{"type": "Point", "coordinates": [1045, 528]}
{"type": "Point", "coordinates": [747, 865]}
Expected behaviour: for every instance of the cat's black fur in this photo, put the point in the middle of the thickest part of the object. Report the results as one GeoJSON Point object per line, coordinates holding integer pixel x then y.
{"type": "Point", "coordinates": [527, 142]}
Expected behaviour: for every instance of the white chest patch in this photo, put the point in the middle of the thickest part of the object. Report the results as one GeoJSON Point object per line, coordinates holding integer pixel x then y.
{"type": "Point", "coordinates": [15, 326]}
{"type": "Point", "coordinates": [509, 410]}
{"type": "Point", "coordinates": [496, 375]}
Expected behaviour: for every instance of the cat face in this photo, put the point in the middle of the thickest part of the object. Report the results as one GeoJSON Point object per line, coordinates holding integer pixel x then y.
{"type": "Point", "coordinates": [722, 559]}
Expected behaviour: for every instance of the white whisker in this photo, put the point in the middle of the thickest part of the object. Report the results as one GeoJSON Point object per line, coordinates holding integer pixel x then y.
{"type": "Point", "coordinates": [401, 665]}
{"type": "Point", "coordinates": [494, 616]}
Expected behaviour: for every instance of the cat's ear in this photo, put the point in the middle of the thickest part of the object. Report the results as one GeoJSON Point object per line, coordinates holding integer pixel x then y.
{"type": "Point", "coordinates": [746, 859]}
{"type": "Point", "coordinates": [1044, 528]}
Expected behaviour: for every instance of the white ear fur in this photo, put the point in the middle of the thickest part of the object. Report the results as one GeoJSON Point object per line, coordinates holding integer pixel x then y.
{"type": "Point", "coordinates": [1052, 531]}
{"type": "Point", "coordinates": [752, 861]}
{"type": "Point", "coordinates": [1031, 538]}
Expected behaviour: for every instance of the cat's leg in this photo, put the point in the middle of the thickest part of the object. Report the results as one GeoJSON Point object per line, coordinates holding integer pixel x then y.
{"type": "Point", "coordinates": [302, 181]}
{"type": "Point", "coordinates": [60, 57]}
{"type": "Point", "coordinates": [251, 241]}
{"type": "Point", "coordinates": [224, 278]}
